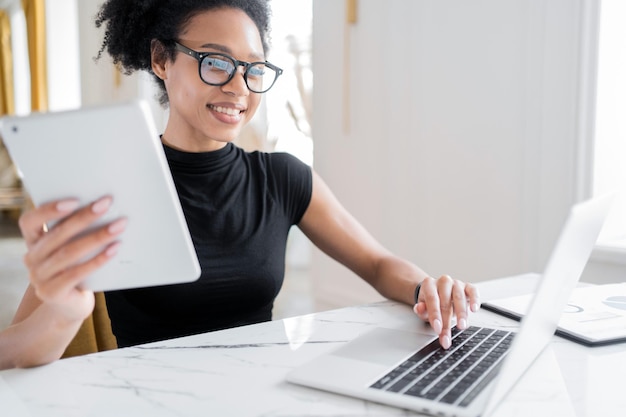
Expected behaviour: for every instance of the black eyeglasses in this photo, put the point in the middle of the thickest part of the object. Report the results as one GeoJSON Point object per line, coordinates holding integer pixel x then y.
{"type": "Point", "coordinates": [218, 69]}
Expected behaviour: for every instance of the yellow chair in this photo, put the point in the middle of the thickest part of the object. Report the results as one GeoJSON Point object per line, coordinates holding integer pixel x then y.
{"type": "Point", "coordinates": [95, 335]}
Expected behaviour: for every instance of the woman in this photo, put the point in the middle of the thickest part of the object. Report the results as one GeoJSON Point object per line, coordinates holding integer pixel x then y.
{"type": "Point", "coordinates": [239, 206]}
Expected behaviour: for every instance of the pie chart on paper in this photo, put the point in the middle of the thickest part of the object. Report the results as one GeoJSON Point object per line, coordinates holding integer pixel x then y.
{"type": "Point", "coordinates": [618, 302]}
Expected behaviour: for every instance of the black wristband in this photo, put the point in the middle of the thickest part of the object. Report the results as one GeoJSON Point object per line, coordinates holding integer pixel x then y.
{"type": "Point", "coordinates": [417, 291]}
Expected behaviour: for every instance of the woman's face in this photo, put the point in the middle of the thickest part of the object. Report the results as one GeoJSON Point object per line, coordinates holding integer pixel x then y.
{"type": "Point", "coordinates": [204, 117]}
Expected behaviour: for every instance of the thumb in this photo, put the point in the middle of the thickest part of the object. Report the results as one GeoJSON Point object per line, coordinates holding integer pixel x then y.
{"type": "Point", "coordinates": [421, 310]}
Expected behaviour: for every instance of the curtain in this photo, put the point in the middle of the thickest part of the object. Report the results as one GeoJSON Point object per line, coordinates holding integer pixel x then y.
{"type": "Point", "coordinates": [8, 176]}
{"type": "Point", "coordinates": [34, 11]}
{"type": "Point", "coordinates": [7, 105]}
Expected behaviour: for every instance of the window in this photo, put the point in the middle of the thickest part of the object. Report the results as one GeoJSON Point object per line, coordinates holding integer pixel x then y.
{"type": "Point", "coordinates": [610, 125]}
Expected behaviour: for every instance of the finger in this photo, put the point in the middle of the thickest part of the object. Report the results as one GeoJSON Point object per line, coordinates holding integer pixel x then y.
{"type": "Point", "coordinates": [31, 222]}
{"type": "Point", "coordinates": [67, 229]}
{"type": "Point", "coordinates": [70, 278]}
{"type": "Point", "coordinates": [444, 288]}
{"type": "Point", "coordinates": [473, 296]}
{"type": "Point", "coordinates": [79, 249]}
{"type": "Point", "coordinates": [428, 303]}
{"type": "Point", "coordinates": [459, 301]}
{"type": "Point", "coordinates": [421, 310]}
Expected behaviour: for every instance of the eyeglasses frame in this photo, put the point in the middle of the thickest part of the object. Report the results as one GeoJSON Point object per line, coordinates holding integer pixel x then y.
{"type": "Point", "coordinates": [199, 56]}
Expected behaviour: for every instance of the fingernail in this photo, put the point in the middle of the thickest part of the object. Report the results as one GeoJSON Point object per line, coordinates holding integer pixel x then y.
{"type": "Point", "coordinates": [101, 205]}
{"type": "Point", "coordinates": [117, 226]}
{"type": "Point", "coordinates": [475, 307]}
{"type": "Point", "coordinates": [437, 326]}
{"type": "Point", "coordinates": [446, 343]}
{"type": "Point", "coordinates": [113, 249]}
{"type": "Point", "coordinates": [67, 205]}
{"type": "Point", "coordinates": [462, 324]}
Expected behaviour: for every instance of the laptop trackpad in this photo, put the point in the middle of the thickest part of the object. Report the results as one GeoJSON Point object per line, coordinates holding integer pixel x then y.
{"type": "Point", "coordinates": [384, 346]}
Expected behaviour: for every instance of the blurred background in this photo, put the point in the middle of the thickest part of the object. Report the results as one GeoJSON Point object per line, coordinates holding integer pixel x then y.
{"type": "Point", "coordinates": [459, 133]}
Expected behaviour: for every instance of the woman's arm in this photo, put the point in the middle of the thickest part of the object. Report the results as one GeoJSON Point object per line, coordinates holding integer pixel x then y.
{"type": "Point", "coordinates": [54, 307]}
{"type": "Point", "coordinates": [330, 227]}
{"type": "Point", "coordinates": [42, 335]}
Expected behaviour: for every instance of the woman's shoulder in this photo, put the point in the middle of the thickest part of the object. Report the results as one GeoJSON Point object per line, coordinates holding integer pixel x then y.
{"type": "Point", "coordinates": [275, 161]}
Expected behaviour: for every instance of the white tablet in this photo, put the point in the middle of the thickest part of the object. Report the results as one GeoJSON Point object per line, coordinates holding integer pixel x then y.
{"type": "Point", "coordinates": [109, 150]}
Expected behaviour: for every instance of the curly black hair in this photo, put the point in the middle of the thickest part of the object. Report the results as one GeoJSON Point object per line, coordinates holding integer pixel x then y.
{"type": "Point", "coordinates": [132, 26]}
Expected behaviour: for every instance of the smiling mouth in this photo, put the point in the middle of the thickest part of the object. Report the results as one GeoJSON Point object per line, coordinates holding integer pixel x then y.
{"type": "Point", "coordinates": [225, 110]}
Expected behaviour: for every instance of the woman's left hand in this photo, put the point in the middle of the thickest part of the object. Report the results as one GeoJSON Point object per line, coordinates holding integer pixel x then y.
{"type": "Point", "coordinates": [441, 299]}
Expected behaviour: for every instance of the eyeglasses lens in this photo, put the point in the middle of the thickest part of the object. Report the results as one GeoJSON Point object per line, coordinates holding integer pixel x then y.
{"type": "Point", "coordinates": [217, 70]}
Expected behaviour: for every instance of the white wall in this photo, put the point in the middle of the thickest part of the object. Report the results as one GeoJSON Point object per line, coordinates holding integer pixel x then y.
{"type": "Point", "coordinates": [465, 129]}
{"type": "Point", "coordinates": [464, 135]}
{"type": "Point", "coordinates": [100, 81]}
{"type": "Point", "coordinates": [64, 89]}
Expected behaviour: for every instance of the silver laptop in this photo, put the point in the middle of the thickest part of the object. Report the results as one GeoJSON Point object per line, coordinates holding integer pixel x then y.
{"type": "Point", "coordinates": [109, 150]}
{"type": "Point", "coordinates": [406, 367]}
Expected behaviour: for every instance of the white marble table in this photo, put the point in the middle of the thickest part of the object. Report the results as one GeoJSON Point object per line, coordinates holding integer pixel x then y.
{"type": "Point", "coordinates": [240, 372]}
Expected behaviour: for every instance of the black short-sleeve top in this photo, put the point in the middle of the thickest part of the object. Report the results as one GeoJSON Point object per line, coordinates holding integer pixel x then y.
{"type": "Point", "coordinates": [239, 207]}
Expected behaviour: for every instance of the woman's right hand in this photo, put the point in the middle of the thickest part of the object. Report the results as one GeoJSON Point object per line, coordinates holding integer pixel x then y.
{"type": "Point", "coordinates": [57, 259]}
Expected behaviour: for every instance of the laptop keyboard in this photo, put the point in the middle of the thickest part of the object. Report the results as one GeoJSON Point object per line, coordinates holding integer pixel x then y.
{"type": "Point", "coordinates": [454, 376]}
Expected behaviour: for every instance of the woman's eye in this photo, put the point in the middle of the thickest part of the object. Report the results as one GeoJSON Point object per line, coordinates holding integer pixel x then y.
{"type": "Point", "coordinates": [218, 64]}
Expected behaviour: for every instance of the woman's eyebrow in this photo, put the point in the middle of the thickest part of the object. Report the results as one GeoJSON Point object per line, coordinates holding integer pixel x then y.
{"type": "Point", "coordinates": [222, 48]}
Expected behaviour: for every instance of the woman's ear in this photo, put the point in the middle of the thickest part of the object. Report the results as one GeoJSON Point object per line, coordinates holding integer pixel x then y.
{"type": "Point", "coordinates": [158, 58]}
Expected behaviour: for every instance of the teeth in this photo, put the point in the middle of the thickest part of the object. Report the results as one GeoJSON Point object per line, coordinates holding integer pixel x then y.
{"type": "Point", "coordinates": [226, 110]}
